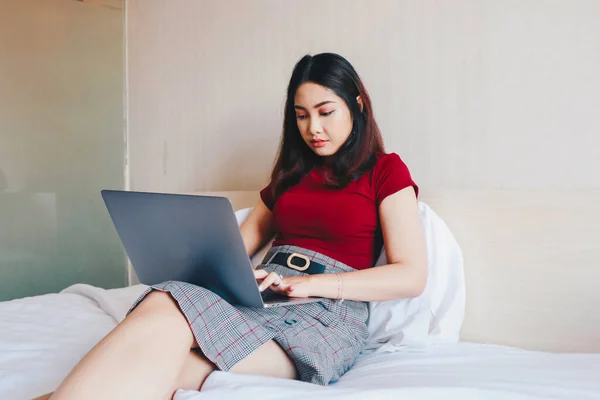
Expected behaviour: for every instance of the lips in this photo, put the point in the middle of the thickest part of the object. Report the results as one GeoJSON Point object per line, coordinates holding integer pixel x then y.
{"type": "Point", "coordinates": [317, 144]}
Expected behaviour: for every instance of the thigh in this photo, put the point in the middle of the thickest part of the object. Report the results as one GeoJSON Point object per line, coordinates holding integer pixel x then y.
{"type": "Point", "coordinates": [267, 360]}
{"type": "Point", "coordinates": [163, 307]}
{"type": "Point", "coordinates": [224, 334]}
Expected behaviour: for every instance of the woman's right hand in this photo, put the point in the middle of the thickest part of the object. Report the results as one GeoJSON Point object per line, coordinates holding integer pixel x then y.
{"type": "Point", "coordinates": [292, 286]}
{"type": "Point", "coordinates": [266, 279]}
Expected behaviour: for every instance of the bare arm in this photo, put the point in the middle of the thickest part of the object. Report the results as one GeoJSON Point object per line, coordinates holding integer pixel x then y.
{"type": "Point", "coordinates": [257, 229]}
{"type": "Point", "coordinates": [405, 275]}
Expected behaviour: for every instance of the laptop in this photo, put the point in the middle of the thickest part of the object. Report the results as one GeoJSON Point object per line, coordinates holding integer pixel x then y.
{"type": "Point", "coordinates": [189, 238]}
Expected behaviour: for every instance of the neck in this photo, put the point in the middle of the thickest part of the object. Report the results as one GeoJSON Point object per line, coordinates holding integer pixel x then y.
{"type": "Point", "coordinates": [325, 161]}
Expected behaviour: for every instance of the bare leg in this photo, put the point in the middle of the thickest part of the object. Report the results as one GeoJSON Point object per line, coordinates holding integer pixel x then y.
{"type": "Point", "coordinates": [268, 360]}
{"type": "Point", "coordinates": [140, 358]}
{"type": "Point", "coordinates": [127, 363]}
{"type": "Point", "coordinates": [191, 377]}
{"type": "Point", "coordinates": [194, 372]}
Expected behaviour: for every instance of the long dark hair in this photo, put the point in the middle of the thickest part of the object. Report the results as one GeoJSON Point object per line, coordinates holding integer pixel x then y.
{"type": "Point", "coordinates": [356, 156]}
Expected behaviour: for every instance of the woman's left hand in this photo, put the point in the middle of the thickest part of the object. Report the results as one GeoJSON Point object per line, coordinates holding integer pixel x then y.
{"type": "Point", "coordinates": [292, 286]}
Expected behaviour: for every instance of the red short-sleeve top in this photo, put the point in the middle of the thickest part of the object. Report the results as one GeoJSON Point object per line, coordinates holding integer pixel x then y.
{"type": "Point", "coordinates": [340, 223]}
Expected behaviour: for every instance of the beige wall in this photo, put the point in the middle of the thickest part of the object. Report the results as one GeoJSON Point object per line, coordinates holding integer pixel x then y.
{"type": "Point", "coordinates": [471, 93]}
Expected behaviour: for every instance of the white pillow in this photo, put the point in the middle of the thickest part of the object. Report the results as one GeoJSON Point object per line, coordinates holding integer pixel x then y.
{"type": "Point", "coordinates": [447, 286]}
{"type": "Point", "coordinates": [256, 259]}
{"type": "Point", "coordinates": [434, 317]}
{"type": "Point", "coordinates": [437, 315]}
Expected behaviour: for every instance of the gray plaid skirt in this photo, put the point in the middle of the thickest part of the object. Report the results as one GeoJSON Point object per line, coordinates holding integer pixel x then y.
{"type": "Point", "coordinates": [323, 338]}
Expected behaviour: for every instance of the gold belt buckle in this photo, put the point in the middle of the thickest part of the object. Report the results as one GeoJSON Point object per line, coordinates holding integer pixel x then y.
{"type": "Point", "coordinates": [297, 268]}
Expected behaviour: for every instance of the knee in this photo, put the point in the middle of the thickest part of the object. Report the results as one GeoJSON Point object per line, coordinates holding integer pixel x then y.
{"type": "Point", "coordinates": [160, 299]}
{"type": "Point", "coordinates": [158, 311]}
{"type": "Point", "coordinates": [157, 304]}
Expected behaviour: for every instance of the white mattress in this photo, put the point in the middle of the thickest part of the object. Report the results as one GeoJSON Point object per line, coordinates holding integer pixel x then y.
{"type": "Point", "coordinates": [43, 337]}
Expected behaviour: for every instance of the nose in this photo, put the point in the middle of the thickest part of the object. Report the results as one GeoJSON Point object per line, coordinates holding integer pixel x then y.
{"type": "Point", "coordinates": [315, 126]}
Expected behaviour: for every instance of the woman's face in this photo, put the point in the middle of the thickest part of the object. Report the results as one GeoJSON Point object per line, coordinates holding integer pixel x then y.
{"type": "Point", "coordinates": [323, 118]}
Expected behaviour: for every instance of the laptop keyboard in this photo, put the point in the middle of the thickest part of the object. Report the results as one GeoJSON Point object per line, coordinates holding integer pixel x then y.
{"type": "Point", "coordinates": [273, 297]}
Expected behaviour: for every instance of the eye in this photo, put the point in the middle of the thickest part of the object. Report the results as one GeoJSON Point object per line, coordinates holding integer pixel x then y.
{"type": "Point", "coordinates": [327, 113]}
{"type": "Point", "coordinates": [303, 116]}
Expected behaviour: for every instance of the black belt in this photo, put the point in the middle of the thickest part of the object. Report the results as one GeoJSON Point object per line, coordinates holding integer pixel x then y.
{"type": "Point", "coordinates": [299, 262]}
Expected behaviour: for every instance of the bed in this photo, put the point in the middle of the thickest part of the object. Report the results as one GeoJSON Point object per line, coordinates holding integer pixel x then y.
{"type": "Point", "coordinates": [529, 328]}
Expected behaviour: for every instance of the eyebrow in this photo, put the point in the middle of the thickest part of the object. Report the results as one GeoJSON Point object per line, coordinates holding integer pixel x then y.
{"type": "Point", "coordinates": [316, 105]}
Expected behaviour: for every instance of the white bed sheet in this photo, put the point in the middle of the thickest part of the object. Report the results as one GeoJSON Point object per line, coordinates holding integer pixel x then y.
{"type": "Point", "coordinates": [43, 337]}
{"type": "Point", "coordinates": [449, 371]}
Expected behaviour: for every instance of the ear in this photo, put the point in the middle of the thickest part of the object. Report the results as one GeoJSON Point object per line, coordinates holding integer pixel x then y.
{"type": "Point", "coordinates": [360, 103]}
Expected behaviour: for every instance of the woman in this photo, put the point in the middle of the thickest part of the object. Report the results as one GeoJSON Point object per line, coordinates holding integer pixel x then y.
{"type": "Point", "coordinates": [335, 198]}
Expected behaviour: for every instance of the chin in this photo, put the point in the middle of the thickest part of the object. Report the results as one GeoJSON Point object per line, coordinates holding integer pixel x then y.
{"type": "Point", "coordinates": [323, 152]}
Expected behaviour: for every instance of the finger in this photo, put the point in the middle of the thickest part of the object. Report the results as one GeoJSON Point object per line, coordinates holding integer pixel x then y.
{"type": "Point", "coordinates": [281, 288]}
{"type": "Point", "coordinates": [265, 283]}
{"type": "Point", "coordinates": [268, 281]}
{"type": "Point", "coordinates": [260, 273]}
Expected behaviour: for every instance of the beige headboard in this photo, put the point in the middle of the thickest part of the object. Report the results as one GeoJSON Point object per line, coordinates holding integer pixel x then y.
{"type": "Point", "coordinates": [532, 264]}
